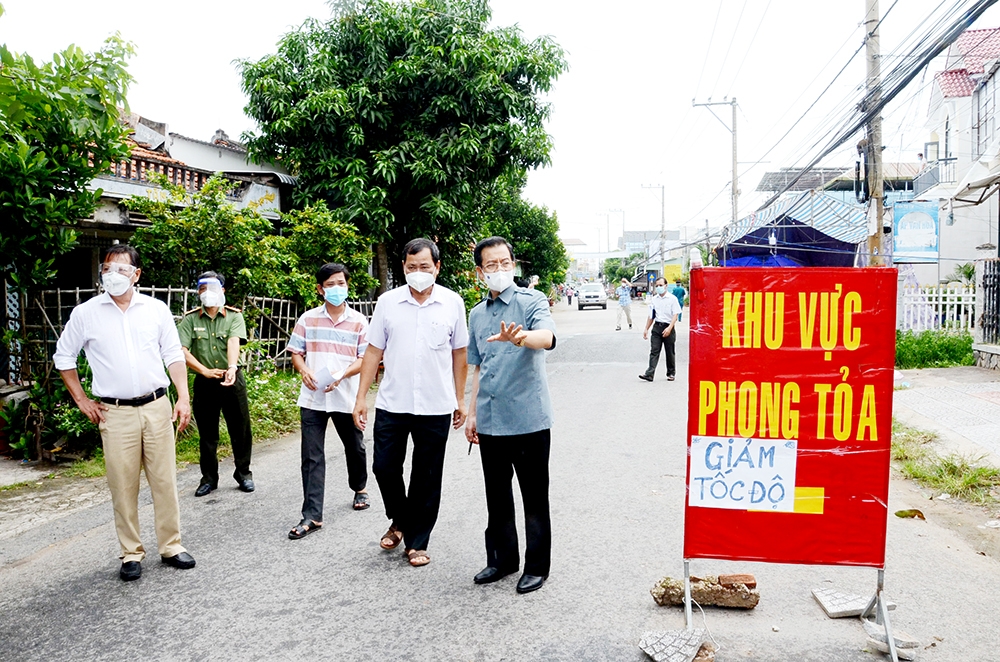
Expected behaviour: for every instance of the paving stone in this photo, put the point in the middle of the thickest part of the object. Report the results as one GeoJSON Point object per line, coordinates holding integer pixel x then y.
{"type": "Point", "coordinates": [673, 645]}
{"type": "Point", "coordinates": [838, 604]}
{"type": "Point", "coordinates": [901, 653]}
{"type": "Point", "coordinates": [877, 632]}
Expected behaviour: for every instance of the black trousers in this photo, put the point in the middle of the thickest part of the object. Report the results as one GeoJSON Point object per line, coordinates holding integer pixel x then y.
{"type": "Point", "coordinates": [528, 455]}
{"type": "Point", "coordinates": [314, 457]}
{"type": "Point", "coordinates": [210, 399]}
{"type": "Point", "coordinates": [656, 342]}
{"type": "Point", "coordinates": [415, 511]}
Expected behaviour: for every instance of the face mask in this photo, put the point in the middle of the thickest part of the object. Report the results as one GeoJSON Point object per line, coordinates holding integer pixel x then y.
{"type": "Point", "coordinates": [116, 284]}
{"type": "Point", "coordinates": [660, 289]}
{"type": "Point", "coordinates": [335, 295]}
{"type": "Point", "coordinates": [499, 281]}
{"type": "Point", "coordinates": [420, 280]}
{"type": "Point", "coordinates": [211, 299]}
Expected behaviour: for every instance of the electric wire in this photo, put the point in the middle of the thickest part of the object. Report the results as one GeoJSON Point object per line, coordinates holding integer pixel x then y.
{"type": "Point", "coordinates": [709, 49]}
{"type": "Point", "coordinates": [725, 58]}
{"type": "Point", "coordinates": [750, 46]}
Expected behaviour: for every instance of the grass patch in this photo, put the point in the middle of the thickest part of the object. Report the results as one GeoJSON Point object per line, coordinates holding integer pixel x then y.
{"type": "Point", "coordinates": [92, 467]}
{"type": "Point", "coordinates": [967, 478]}
{"type": "Point", "coordinates": [16, 486]}
{"type": "Point", "coordinates": [933, 349]}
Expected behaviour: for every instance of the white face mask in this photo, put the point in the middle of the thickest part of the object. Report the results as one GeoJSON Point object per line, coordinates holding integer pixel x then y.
{"type": "Point", "coordinates": [420, 280]}
{"type": "Point", "coordinates": [212, 299]}
{"type": "Point", "coordinates": [116, 284]}
{"type": "Point", "coordinates": [499, 281]}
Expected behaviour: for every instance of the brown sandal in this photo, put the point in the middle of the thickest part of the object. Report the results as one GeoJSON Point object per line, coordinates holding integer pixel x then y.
{"type": "Point", "coordinates": [392, 538]}
{"type": "Point", "coordinates": [417, 557]}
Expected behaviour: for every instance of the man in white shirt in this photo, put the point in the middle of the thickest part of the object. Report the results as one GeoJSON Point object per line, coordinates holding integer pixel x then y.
{"type": "Point", "coordinates": [128, 337]}
{"type": "Point", "coordinates": [327, 345]}
{"type": "Point", "coordinates": [663, 311]}
{"type": "Point", "coordinates": [419, 332]}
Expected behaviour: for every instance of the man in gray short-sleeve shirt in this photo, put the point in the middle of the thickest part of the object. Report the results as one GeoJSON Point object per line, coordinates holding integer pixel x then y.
{"type": "Point", "coordinates": [511, 414]}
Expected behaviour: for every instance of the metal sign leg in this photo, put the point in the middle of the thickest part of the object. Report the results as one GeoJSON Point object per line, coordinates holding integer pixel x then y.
{"type": "Point", "coordinates": [688, 618]}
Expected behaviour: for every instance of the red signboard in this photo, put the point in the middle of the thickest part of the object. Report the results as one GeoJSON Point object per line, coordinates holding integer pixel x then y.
{"type": "Point", "coordinates": [790, 414]}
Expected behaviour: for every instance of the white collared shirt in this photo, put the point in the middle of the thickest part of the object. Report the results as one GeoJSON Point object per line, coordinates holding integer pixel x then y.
{"type": "Point", "coordinates": [417, 341]}
{"type": "Point", "coordinates": [126, 350]}
{"type": "Point", "coordinates": [332, 344]}
{"type": "Point", "coordinates": [664, 307]}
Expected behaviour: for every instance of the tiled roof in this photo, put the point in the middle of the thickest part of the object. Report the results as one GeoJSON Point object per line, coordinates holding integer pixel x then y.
{"type": "Point", "coordinates": [224, 144]}
{"type": "Point", "coordinates": [956, 82]}
{"type": "Point", "coordinates": [977, 46]}
{"type": "Point", "coordinates": [140, 152]}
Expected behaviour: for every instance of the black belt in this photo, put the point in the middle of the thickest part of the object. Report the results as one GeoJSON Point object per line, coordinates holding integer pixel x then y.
{"type": "Point", "coordinates": [136, 402]}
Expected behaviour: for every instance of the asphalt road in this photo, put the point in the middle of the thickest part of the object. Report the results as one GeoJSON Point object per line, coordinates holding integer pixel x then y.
{"type": "Point", "coordinates": [617, 489]}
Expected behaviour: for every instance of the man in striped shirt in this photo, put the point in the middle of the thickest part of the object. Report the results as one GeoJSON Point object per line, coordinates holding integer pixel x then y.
{"type": "Point", "coordinates": [326, 347]}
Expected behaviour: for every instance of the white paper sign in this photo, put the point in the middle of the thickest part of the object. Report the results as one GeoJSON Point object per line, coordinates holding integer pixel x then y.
{"type": "Point", "coordinates": [324, 378]}
{"type": "Point", "coordinates": [743, 474]}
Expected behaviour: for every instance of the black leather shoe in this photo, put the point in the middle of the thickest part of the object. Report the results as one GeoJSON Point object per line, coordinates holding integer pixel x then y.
{"type": "Point", "coordinates": [489, 574]}
{"type": "Point", "coordinates": [645, 377]}
{"type": "Point", "coordinates": [246, 485]}
{"type": "Point", "coordinates": [131, 571]}
{"type": "Point", "coordinates": [184, 561]}
{"type": "Point", "coordinates": [529, 583]}
{"type": "Point", "coordinates": [203, 489]}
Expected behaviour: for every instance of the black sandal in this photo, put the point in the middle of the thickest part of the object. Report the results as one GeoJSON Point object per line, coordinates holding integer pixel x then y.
{"type": "Point", "coordinates": [361, 501]}
{"type": "Point", "coordinates": [303, 529]}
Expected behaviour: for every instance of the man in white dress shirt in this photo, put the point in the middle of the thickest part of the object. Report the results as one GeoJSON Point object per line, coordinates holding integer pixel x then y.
{"type": "Point", "coordinates": [128, 337]}
{"type": "Point", "coordinates": [664, 309]}
{"type": "Point", "coordinates": [419, 332]}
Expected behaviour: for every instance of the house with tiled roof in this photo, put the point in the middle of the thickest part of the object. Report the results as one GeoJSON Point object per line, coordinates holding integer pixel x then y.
{"type": "Point", "coordinates": [960, 127]}
{"type": "Point", "coordinates": [186, 162]}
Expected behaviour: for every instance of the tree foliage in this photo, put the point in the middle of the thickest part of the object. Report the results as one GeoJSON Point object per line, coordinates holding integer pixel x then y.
{"type": "Point", "coordinates": [616, 268]}
{"type": "Point", "coordinates": [531, 230]}
{"type": "Point", "coordinates": [188, 235]}
{"type": "Point", "coordinates": [59, 128]}
{"type": "Point", "coordinates": [398, 114]}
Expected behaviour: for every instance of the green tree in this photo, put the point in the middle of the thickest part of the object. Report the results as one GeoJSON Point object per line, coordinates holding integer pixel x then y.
{"type": "Point", "coordinates": [616, 268]}
{"type": "Point", "coordinates": [59, 128]}
{"type": "Point", "coordinates": [191, 234]}
{"type": "Point", "coordinates": [531, 230]}
{"type": "Point", "coordinates": [397, 114]}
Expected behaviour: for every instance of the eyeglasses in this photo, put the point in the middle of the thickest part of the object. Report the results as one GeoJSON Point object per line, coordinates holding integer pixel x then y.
{"type": "Point", "coordinates": [118, 267]}
{"type": "Point", "coordinates": [502, 265]}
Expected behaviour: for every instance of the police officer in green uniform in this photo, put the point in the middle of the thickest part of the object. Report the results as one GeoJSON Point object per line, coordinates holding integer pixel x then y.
{"type": "Point", "coordinates": [211, 336]}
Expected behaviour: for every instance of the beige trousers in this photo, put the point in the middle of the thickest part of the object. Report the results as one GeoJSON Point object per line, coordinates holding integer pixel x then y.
{"type": "Point", "coordinates": [136, 438]}
{"type": "Point", "coordinates": [627, 310]}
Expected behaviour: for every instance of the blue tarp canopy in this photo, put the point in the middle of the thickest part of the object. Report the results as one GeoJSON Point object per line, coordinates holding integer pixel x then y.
{"type": "Point", "coordinates": [811, 229]}
{"type": "Point", "coordinates": [767, 260]}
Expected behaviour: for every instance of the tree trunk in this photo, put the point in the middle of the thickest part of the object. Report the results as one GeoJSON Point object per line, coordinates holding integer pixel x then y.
{"type": "Point", "coordinates": [381, 268]}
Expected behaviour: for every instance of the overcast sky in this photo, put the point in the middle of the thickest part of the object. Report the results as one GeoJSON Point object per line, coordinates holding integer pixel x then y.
{"type": "Point", "coordinates": [622, 115]}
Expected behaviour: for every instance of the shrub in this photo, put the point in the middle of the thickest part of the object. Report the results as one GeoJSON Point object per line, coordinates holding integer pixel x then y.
{"type": "Point", "coordinates": [933, 349]}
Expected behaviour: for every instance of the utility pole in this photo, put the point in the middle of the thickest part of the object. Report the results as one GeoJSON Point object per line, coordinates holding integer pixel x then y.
{"type": "Point", "coordinates": [708, 244]}
{"type": "Point", "coordinates": [663, 218]}
{"type": "Point", "coordinates": [736, 178]}
{"type": "Point", "coordinates": [875, 181]}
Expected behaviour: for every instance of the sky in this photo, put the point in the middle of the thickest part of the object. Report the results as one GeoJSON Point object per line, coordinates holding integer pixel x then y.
{"type": "Point", "coordinates": [622, 122]}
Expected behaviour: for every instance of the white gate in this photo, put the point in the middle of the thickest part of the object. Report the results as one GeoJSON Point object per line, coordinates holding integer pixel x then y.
{"type": "Point", "coordinates": [951, 308]}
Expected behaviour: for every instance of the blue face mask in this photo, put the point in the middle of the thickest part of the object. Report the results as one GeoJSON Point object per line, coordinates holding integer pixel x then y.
{"type": "Point", "coordinates": [335, 295]}
{"type": "Point", "coordinates": [660, 289]}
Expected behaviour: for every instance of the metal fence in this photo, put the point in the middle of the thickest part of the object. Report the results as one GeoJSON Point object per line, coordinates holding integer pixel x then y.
{"type": "Point", "coordinates": [989, 306]}
{"type": "Point", "coordinates": [950, 308]}
{"type": "Point", "coordinates": [42, 314]}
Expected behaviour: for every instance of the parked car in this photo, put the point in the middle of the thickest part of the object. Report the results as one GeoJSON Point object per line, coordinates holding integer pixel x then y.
{"type": "Point", "coordinates": [591, 294]}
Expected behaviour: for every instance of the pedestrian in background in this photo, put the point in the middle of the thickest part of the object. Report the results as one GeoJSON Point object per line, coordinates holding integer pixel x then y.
{"type": "Point", "coordinates": [663, 312]}
{"type": "Point", "coordinates": [510, 415]}
{"type": "Point", "coordinates": [678, 291]}
{"type": "Point", "coordinates": [327, 346]}
{"type": "Point", "coordinates": [128, 337]}
{"type": "Point", "coordinates": [624, 293]}
{"type": "Point", "coordinates": [419, 332]}
{"type": "Point", "coordinates": [210, 337]}
{"type": "Point", "coordinates": [569, 295]}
